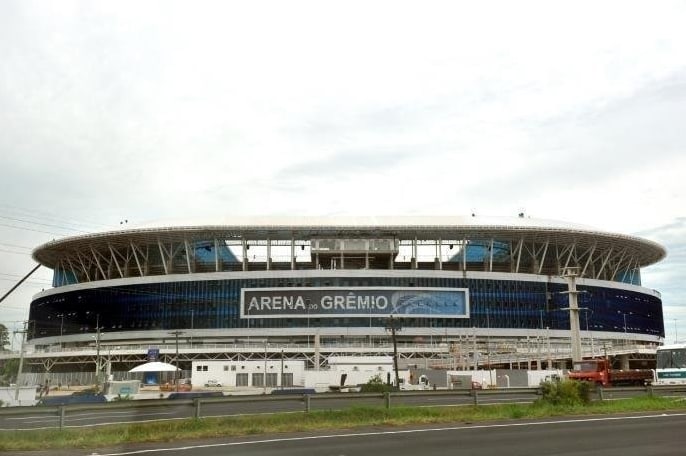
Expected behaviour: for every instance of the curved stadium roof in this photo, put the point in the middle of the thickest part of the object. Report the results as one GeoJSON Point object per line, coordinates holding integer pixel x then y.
{"type": "Point", "coordinates": [284, 228]}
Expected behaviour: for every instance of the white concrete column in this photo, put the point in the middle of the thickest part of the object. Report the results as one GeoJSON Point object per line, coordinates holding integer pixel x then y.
{"type": "Point", "coordinates": [269, 254]}
{"type": "Point", "coordinates": [571, 275]}
{"type": "Point", "coordinates": [292, 253]}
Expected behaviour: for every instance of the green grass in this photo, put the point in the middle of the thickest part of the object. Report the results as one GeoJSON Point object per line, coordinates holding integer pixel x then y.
{"type": "Point", "coordinates": [189, 429]}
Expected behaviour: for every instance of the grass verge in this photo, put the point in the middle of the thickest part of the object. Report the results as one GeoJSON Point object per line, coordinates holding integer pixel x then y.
{"type": "Point", "coordinates": [167, 431]}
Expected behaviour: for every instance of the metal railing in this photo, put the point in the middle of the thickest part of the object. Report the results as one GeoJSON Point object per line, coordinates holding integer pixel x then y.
{"type": "Point", "coordinates": [305, 402]}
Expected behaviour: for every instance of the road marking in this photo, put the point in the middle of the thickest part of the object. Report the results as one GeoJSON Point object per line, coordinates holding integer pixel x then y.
{"type": "Point", "coordinates": [95, 424]}
{"type": "Point", "coordinates": [406, 431]}
{"type": "Point", "coordinates": [70, 415]}
{"type": "Point", "coordinates": [54, 419]}
{"type": "Point", "coordinates": [70, 419]}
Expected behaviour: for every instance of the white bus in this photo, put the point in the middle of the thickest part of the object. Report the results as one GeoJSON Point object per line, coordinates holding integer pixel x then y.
{"type": "Point", "coordinates": [671, 365]}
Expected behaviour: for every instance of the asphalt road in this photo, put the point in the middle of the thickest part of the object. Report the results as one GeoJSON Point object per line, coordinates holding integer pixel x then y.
{"type": "Point", "coordinates": [636, 435]}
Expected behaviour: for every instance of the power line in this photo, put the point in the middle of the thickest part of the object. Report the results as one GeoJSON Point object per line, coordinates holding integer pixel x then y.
{"type": "Point", "coordinates": [9, 274]}
{"type": "Point", "coordinates": [15, 308]}
{"type": "Point", "coordinates": [42, 215]}
{"type": "Point", "coordinates": [31, 229]}
{"type": "Point", "coordinates": [15, 253]}
{"type": "Point", "coordinates": [16, 246]}
{"type": "Point", "coordinates": [37, 284]}
{"type": "Point", "coordinates": [51, 225]}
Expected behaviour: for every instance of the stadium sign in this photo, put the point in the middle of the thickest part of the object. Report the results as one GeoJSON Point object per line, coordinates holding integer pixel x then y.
{"type": "Point", "coordinates": [323, 302]}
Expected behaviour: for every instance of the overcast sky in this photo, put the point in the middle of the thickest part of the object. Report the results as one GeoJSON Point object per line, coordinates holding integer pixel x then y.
{"type": "Point", "coordinates": [141, 111]}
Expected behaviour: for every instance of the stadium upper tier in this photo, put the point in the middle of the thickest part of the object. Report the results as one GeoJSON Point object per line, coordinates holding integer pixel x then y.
{"type": "Point", "coordinates": [487, 244]}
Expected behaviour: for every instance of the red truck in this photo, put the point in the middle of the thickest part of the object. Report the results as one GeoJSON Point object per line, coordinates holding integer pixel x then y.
{"type": "Point", "coordinates": [598, 371]}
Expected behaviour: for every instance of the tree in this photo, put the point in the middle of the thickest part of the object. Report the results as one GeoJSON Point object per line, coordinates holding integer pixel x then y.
{"type": "Point", "coordinates": [8, 371]}
{"type": "Point", "coordinates": [4, 337]}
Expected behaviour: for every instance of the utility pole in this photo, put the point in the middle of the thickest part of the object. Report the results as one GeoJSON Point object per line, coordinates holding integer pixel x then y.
{"type": "Point", "coordinates": [394, 325]}
{"type": "Point", "coordinates": [550, 357]}
{"type": "Point", "coordinates": [474, 353]}
{"type": "Point", "coordinates": [571, 274]}
{"type": "Point", "coordinates": [97, 352]}
{"type": "Point", "coordinates": [21, 360]}
{"type": "Point", "coordinates": [176, 359]}
{"type": "Point", "coordinates": [264, 383]}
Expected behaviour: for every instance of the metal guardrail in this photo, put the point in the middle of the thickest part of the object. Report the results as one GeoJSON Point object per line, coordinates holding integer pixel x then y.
{"type": "Point", "coordinates": [609, 393]}
{"type": "Point", "coordinates": [385, 399]}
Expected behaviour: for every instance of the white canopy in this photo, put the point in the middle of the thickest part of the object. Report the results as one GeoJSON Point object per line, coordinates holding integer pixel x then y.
{"type": "Point", "coordinates": [155, 366]}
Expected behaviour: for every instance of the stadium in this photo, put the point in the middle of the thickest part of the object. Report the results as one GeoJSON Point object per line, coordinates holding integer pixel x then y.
{"type": "Point", "coordinates": [462, 292]}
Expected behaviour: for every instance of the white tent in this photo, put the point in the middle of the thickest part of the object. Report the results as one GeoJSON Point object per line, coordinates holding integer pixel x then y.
{"type": "Point", "coordinates": [155, 366]}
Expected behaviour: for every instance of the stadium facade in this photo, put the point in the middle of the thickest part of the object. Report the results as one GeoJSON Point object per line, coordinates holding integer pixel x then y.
{"type": "Point", "coordinates": [457, 286]}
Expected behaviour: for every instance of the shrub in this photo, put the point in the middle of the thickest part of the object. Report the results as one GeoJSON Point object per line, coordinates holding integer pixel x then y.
{"type": "Point", "coordinates": [376, 385]}
{"type": "Point", "coordinates": [566, 392]}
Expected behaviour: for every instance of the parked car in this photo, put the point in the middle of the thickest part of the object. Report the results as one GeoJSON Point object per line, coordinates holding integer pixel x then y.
{"type": "Point", "coordinates": [212, 383]}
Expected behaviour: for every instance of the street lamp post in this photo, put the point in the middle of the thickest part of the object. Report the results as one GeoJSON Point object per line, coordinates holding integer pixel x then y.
{"type": "Point", "coordinates": [676, 334]}
{"type": "Point", "coordinates": [590, 334]}
{"type": "Point", "coordinates": [282, 368]}
{"type": "Point", "coordinates": [97, 351]}
{"type": "Point", "coordinates": [176, 360]}
{"type": "Point", "coordinates": [192, 315]}
{"type": "Point", "coordinates": [550, 358]}
{"type": "Point", "coordinates": [393, 325]}
{"type": "Point", "coordinates": [264, 381]}
{"type": "Point", "coordinates": [61, 329]}
{"type": "Point", "coordinates": [21, 361]}
{"type": "Point", "coordinates": [488, 346]}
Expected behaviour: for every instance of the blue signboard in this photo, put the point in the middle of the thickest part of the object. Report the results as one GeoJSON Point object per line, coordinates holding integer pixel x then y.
{"type": "Point", "coordinates": [334, 302]}
{"type": "Point", "coordinates": [153, 354]}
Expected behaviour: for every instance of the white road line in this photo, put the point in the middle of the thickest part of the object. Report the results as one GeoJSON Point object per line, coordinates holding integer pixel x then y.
{"type": "Point", "coordinates": [407, 431]}
{"type": "Point", "coordinates": [31, 417]}
{"type": "Point", "coordinates": [94, 425]}
{"type": "Point", "coordinates": [70, 415]}
{"type": "Point", "coordinates": [69, 419]}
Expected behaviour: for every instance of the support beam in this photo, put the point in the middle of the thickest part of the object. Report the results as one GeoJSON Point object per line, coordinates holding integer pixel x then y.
{"type": "Point", "coordinates": [71, 266]}
{"type": "Point", "coordinates": [589, 259]}
{"type": "Point", "coordinates": [603, 264]}
{"type": "Point", "coordinates": [542, 262]}
{"type": "Point", "coordinates": [83, 265]}
{"type": "Point", "coordinates": [116, 263]}
{"type": "Point", "coordinates": [519, 254]}
{"type": "Point", "coordinates": [187, 247]}
{"type": "Point", "coordinates": [572, 249]}
{"type": "Point", "coordinates": [135, 257]}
